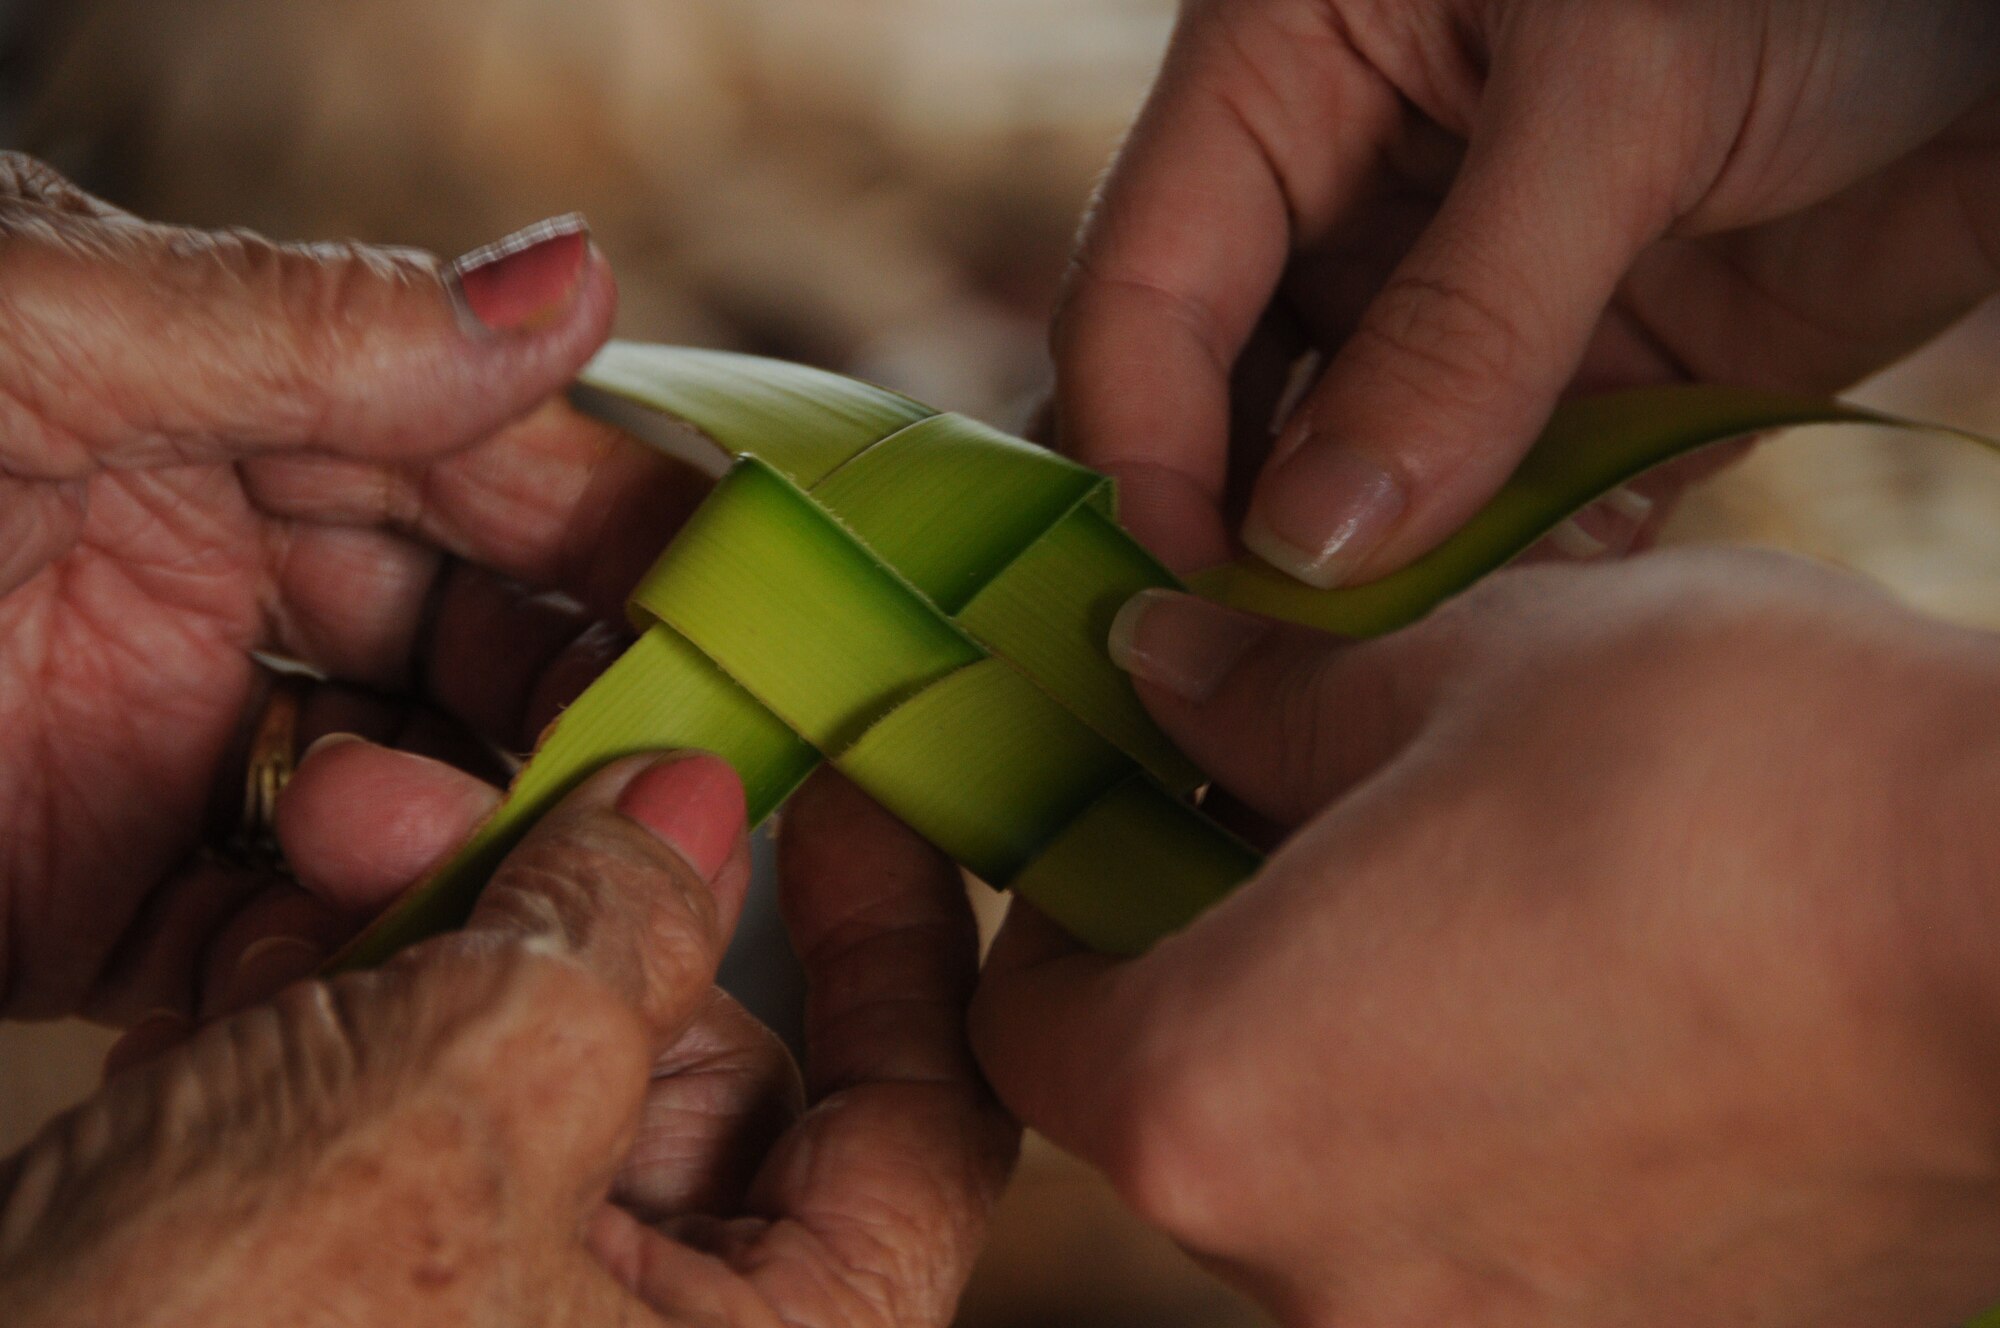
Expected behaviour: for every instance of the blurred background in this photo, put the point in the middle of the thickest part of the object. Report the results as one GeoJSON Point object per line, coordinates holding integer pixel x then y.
{"type": "Point", "coordinates": [886, 187]}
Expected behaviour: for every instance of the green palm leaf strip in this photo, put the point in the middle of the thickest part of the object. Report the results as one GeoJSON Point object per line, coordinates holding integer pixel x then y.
{"type": "Point", "coordinates": [923, 602]}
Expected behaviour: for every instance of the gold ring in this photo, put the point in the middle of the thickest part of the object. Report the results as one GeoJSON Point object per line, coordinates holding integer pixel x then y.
{"type": "Point", "coordinates": [274, 751]}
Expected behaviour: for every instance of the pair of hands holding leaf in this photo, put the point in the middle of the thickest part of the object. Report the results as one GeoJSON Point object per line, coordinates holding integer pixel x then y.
{"type": "Point", "coordinates": [213, 444]}
{"type": "Point", "coordinates": [1625, 961]}
{"type": "Point", "coordinates": [1628, 959]}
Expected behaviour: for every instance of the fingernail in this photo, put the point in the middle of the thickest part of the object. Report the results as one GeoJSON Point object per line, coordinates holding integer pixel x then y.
{"type": "Point", "coordinates": [267, 967]}
{"type": "Point", "coordinates": [1182, 643]}
{"type": "Point", "coordinates": [326, 740]}
{"type": "Point", "coordinates": [525, 280]}
{"type": "Point", "coordinates": [1629, 503]}
{"type": "Point", "coordinates": [694, 803]}
{"type": "Point", "coordinates": [1321, 511]}
{"type": "Point", "coordinates": [1573, 541]}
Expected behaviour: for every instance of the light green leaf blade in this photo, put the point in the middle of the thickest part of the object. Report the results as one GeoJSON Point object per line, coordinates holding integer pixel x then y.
{"type": "Point", "coordinates": [932, 615]}
{"type": "Point", "coordinates": [985, 765]}
{"type": "Point", "coordinates": [661, 694]}
{"type": "Point", "coordinates": [949, 502]}
{"type": "Point", "coordinates": [768, 585]}
{"type": "Point", "coordinates": [800, 421]}
{"type": "Point", "coordinates": [1049, 613]}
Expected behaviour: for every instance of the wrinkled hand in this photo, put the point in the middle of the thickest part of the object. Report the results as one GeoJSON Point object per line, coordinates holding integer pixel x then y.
{"type": "Point", "coordinates": [214, 444]}
{"type": "Point", "coordinates": [553, 1117]}
{"type": "Point", "coordinates": [1631, 961]}
{"type": "Point", "coordinates": [1470, 209]}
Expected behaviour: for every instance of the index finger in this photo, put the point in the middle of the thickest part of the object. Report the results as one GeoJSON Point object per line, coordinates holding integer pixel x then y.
{"type": "Point", "coordinates": [554, 499]}
{"type": "Point", "coordinates": [1185, 247]}
{"type": "Point", "coordinates": [887, 1184]}
{"type": "Point", "coordinates": [554, 502]}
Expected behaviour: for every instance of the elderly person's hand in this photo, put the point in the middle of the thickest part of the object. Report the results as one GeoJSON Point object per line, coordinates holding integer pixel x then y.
{"type": "Point", "coordinates": [1471, 208]}
{"type": "Point", "coordinates": [553, 1117]}
{"type": "Point", "coordinates": [1632, 961]}
{"type": "Point", "coordinates": [214, 444]}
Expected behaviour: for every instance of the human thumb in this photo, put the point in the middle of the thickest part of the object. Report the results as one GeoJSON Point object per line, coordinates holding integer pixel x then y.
{"type": "Point", "coordinates": [141, 344]}
{"type": "Point", "coordinates": [1284, 718]}
{"type": "Point", "coordinates": [1461, 357]}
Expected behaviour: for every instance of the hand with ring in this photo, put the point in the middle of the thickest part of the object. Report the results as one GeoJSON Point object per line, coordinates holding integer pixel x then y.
{"type": "Point", "coordinates": [358, 459]}
{"type": "Point", "coordinates": [350, 456]}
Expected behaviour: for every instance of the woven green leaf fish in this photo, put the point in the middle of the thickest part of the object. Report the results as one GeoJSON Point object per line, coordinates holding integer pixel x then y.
{"type": "Point", "coordinates": [923, 602]}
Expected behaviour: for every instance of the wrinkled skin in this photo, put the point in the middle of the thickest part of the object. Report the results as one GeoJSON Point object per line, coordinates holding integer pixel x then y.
{"type": "Point", "coordinates": [1627, 960]}
{"type": "Point", "coordinates": [1624, 955]}
{"type": "Point", "coordinates": [209, 444]}
{"type": "Point", "coordinates": [552, 1118]}
{"type": "Point", "coordinates": [1470, 207]}
{"type": "Point", "coordinates": [213, 444]}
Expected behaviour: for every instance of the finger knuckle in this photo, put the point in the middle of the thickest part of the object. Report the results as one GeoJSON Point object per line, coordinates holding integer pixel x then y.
{"type": "Point", "coordinates": [590, 859]}
{"type": "Point", "coordinates": [513, 1015]}
{"type": "Point", "coordinates": [322, 306]}
{"type": "Point", "coordinates": [348, 291]}
{"type": "Point", "coordinates": [320, 293]}
{"type": "Point", "coordinates": [1304, 703]}
{"type": "Point", "coordinates": [1444, 341]}
{"type": "Point", "coordinates": [383, 1121]}
{"type": "Point", "coordinates": [214, 280]}
{"type": "Point", "coordinates": [545, 995]}
{"type": "Point", "coordinates": [607, 888]}
{"type": "Point", "coordinates": [1166, 1138]}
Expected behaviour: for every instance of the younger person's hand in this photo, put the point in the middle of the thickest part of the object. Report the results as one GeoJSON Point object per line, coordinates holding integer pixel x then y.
{"type": "Point", "coordinates": [1630, 961]}
{"type": "Point", "coordinates": [1471, 208]}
